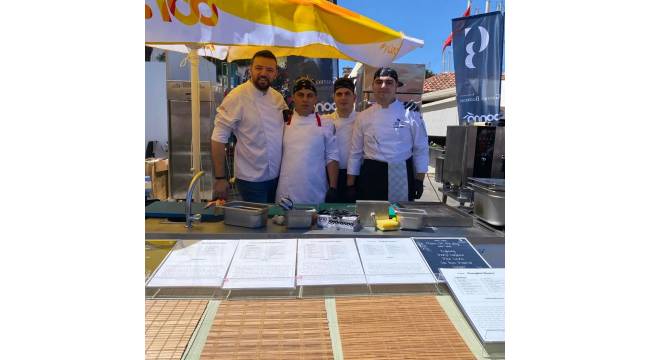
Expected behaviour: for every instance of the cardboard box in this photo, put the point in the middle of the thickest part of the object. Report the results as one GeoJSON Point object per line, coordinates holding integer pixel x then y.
{"type": "Point", "coordinates": [158, 170]}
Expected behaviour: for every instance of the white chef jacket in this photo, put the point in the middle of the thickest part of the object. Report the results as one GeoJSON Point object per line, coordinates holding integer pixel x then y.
{"type": "Point", "coordinates": [344, 127]}
{"type": "Point", "coordinates": [256, 120]}
{"type": "Point", "coordinates": [390, 135]}
{"type": "Point", "coordinates": [306, 151]}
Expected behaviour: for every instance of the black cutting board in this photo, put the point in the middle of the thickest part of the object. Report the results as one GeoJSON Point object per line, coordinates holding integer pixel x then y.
{"type": "Point", "coordinates": [176, 210]}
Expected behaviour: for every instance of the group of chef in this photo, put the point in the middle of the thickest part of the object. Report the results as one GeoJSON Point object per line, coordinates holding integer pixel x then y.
{"type": "Point", "coordinates": [380, 153]}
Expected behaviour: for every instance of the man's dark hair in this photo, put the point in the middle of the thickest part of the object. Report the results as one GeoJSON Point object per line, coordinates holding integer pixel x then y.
{"type": "Point", "coordinates": [265, 54]}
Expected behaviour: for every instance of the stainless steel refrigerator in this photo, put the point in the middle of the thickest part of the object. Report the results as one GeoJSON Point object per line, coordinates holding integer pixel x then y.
{"type": "Point", "coordinates": [180, 137]}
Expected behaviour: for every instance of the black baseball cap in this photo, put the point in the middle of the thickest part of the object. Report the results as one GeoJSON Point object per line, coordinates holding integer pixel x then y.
{"type": "Point", "coordinates": [388, 71]}
{"type": "Point", "coordinates": [344, 82]}
{"type": "Point", "coordinates": [304, 83]}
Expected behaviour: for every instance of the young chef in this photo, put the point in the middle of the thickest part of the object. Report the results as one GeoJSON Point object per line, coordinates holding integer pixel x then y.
{"type": "Point", "coordinates": [389, 151]}
{"type": "Point", "coordinates": [343, 119]}
{"type": "Point", "coordinates": [308, 150]}
{"type": "Point", "coordinates": [253, 112]}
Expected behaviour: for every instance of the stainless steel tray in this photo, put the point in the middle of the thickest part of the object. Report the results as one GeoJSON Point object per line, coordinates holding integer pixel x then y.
{"type": "Point", "coordinates": [365, 209]}
{"type": "Point", "coordinates": [300, 217]}
{"type": "Point", "coordinates": [246, 214]}
{"type": "Point", "coordinates": [440, 215]}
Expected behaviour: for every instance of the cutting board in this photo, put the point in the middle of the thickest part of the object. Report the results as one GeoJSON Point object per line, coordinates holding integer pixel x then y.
{"type": "Point", "coordinates": [176, 210]}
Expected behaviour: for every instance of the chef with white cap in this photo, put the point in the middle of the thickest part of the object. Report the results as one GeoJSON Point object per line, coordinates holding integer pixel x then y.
{"type": "Point", "coordinates": [389, 152]}
{"type": "Point", "coordinates": [310, 168]}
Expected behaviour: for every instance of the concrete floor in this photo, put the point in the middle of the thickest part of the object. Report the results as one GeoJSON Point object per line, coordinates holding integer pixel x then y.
{"type": "Point", "coordinates": [431, 193]}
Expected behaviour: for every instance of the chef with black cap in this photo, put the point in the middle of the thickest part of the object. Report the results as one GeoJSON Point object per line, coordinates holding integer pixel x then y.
{"type": "Point", "coordinates": [309, 149]}
{"type": "Point", "coordinates": [343, 119]}
{"type": "Point", "coordinates": [389, 152]}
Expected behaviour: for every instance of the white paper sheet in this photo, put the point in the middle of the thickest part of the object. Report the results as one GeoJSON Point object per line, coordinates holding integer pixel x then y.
{"type": "Point", "coordinates": [263, 264]}
{"type": "Point", "coordinates": [393, 261]}
{"type": "Point", "coordinates": [480, 293]}
{"type": "Point", "coordinates": [195, 263]}
{"type": "Point", "coordinates": [328, 262]}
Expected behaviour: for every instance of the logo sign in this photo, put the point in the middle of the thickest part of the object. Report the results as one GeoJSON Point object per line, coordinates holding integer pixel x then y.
{"type": "Point", "coordinates": [186, 12]}
{"type": "Point", "coordinates": [478, 59]}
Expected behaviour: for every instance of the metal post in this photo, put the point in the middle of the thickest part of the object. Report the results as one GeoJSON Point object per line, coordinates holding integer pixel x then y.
{"type": "Point", "coordinates": [196, 112]}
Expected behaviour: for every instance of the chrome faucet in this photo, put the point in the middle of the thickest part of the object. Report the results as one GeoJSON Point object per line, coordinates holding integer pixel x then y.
{"type": "Point", "coordinates": [189, 218]}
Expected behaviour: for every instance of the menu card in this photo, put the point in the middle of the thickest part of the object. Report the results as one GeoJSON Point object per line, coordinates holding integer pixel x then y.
{"type": "Point", "coordinates": [480, 293]}
{"type": "Point", "coordinates": [195, 263]}
{"type": "Point", "coordinates": [263, 264]}
{"type": "Point", "coordinates": [329, 262]}
{"type": "Point", "coordinates": [450, 253]}
{"type": "Point", "coordinates": [393, 261]}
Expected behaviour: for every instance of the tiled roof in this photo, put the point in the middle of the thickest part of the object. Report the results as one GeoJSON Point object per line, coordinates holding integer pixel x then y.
{"type": "Point", "coordinates": [442, 81]}
{"type": "Point", "coordinates": [439, 82]}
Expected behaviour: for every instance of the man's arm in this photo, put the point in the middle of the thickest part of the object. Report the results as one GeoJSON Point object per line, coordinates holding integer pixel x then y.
{"type": "Point", "coordinates": [331, 152]}
{"type": "Point", "coordinates": [220, 188]}
{"type": "Point", "coordinates": [356, 151]}
{"type": "Point", "coordinates": [228, 113]}
{"type": "Point", "coordinates": [333, 173]}
{"type": "Point", "coordinates": [420, 147]}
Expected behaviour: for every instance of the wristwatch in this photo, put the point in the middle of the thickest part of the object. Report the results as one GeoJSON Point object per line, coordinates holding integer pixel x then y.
{"type": "Point", "coordinates": [220, 178]}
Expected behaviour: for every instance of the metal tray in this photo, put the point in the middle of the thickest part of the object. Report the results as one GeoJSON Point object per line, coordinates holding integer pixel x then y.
{"type": "Point", "coordinates": [246, 214]}
{"type": "Point", "coordinates": [300, 217]}
{"type": "Point", "coordinates": [410, 219]}
{"type": "Point", "coordinates": [440, 215]}
{"type": "Point", "coordinates": [365, 208]}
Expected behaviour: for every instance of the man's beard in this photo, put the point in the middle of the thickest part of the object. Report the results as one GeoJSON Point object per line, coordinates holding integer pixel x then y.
{"type": "Point", "coordinates": [262, 87]}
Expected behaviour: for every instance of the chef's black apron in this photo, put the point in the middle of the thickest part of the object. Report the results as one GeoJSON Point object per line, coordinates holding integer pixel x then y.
{"type": "Point", "coordinates": [372, 183]}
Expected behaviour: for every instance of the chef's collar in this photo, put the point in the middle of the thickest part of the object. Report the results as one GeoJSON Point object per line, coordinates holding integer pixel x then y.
{"type": "Point", "coordinates": [257, 91]}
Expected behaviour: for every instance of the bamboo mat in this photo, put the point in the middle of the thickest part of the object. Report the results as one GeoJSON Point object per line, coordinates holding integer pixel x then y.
{"type": "Point", "coordinates": [398, 327]}
{"type": "Point", "coordinates": [269, 329]}
{"type": "Point", "coordinates": [169, 324]}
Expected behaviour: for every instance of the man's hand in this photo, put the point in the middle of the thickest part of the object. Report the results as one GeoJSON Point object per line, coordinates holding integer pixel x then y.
{"type": "Point", "coordinates": [419, 188]}
{"type": "Point", "coordinates": [411, 105]}
{"type": "Point", "coordinates": [351, 193]}
{"type": "Point", "coordinates": [332, 196]}
{"type": "Point", "coordinates": [220, 189]}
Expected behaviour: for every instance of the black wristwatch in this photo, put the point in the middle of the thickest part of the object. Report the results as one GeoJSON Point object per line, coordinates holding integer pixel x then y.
{"type": "Point", "coordinates": [220, 178]}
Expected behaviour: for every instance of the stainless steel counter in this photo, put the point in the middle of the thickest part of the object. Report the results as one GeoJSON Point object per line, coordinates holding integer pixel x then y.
{"type": "Point", "coordinates": [488, 241]}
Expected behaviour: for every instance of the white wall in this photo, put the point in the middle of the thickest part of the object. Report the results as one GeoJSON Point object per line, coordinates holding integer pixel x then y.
{"type": "Point", "coordinates": [155, 107]}
{"type": "Point", "coordinates": [438, 115]}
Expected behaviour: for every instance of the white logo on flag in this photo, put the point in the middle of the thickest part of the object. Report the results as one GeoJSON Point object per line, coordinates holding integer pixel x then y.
{"type": "Point", "coordinates": [485, 40]}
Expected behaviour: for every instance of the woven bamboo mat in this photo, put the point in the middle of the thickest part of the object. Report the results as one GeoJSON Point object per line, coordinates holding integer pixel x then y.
{"type": "Point", "coordinates": [169, 324]}
{"type": "Point", "coordinates": [269, 329]}
{"type": "Point", "coordinates": [398, 327]}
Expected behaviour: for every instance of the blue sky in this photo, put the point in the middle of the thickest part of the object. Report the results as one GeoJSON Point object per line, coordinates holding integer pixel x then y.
{"type": "Point", "coordinates": [428, 20]}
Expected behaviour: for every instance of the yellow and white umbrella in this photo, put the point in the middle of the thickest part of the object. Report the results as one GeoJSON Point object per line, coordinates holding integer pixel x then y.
{"type": "Point", "coordinates": [236, 29]}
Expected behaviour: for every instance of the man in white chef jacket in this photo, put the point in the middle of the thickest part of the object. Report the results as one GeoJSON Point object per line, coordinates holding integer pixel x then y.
{"type": "Point", "coordinates": [310, 168]}
{"type": "Point", "coordinates": [253, 111]}
{"type": "Point", "coordinates": [343, 119]}
{"type": "Point", "coordinates": [389, 152]}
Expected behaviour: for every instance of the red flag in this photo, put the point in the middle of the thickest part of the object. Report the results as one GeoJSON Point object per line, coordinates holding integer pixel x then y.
{"type": "Point", "coordinates": [448, 41]}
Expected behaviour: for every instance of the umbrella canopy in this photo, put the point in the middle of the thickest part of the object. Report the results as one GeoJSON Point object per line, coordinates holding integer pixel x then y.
{"type": "Point", "coordinates": [310, 28]}
{"type": "Point", "coordinates": [236, 29]}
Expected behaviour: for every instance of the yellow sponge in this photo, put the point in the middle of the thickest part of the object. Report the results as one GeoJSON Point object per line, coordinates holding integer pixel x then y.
{"type": "Point", "coordinates": [388, 224]}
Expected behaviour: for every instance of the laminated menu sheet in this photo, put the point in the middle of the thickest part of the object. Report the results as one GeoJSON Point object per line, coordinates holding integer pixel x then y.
{"type": "Point", "coordinates": [328, 262]}
{"type": "Point", "coordinates": [450, 253]}
{"type": "Point", "coordinates": [195, 263]}
{"type": "Point", "coordinates": [393, 261]}
{"type": "Point", "coordinates": [262, 264]}
{"type": "Point", "coordinates": [480, 293]}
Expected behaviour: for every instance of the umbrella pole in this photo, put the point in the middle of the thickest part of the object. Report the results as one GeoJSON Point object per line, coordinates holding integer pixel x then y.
{"type": "Point", "coordinates": [196, 113]}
